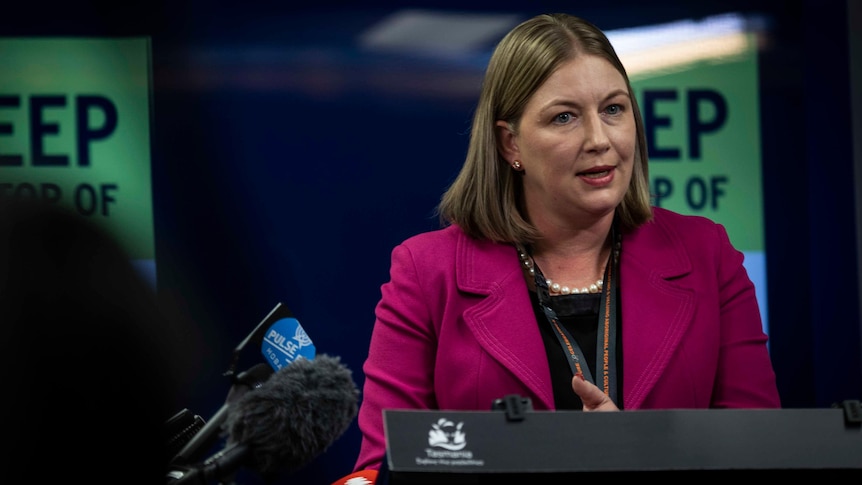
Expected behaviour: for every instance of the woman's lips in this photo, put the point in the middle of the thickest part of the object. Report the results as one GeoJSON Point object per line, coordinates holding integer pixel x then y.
{"type": "Point", "coordinates": [598, 176]}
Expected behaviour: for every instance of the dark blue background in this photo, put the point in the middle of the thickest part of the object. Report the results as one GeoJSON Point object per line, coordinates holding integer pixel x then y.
{"type": "Point", "coordinates": [287, 162]}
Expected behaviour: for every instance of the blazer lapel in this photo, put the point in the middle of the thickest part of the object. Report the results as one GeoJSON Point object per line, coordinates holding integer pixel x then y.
{"type": "Point", "coordinates": [503, 322]}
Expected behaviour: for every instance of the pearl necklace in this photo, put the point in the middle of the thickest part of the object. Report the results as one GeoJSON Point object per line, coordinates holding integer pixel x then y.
{"type": "Point", "coordinates": [556, 288]}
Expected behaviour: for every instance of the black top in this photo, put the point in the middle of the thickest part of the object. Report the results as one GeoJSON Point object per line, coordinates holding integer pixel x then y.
{"type": "Point", "coordinates": [579, 314]}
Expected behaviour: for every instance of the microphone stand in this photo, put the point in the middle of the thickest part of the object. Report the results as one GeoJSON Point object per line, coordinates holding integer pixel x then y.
{"type": "Point", "coordinates": [219, 466]}
{"type": "Point", "coordinates": [207, 436]}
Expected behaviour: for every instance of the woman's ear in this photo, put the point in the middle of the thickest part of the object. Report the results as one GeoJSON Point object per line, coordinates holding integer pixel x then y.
{"type": "Point", "coordinates": [508, 146]}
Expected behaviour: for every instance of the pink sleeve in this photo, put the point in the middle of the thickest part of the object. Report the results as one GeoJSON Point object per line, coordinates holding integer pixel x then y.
{"type": "Point", "coordinates": [399, 367]}
{"type": "Point", "coordinates": [745, 378]}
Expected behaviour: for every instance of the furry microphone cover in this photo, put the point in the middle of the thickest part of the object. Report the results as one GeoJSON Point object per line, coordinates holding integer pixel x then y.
{"type": "Point", "coordinates": [295, 415]}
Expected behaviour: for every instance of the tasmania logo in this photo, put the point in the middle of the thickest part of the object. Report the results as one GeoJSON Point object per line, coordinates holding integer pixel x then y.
{"type": "Point", "coordinates": [447, 435]}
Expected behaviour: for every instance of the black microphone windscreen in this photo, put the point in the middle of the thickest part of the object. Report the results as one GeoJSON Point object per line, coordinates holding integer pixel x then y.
{"type": "Point", "coordinates": [302, 409]}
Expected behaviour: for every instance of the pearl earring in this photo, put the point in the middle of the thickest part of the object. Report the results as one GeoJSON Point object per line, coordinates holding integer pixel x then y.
{"type": "Point", "coordinates": [516, 165]}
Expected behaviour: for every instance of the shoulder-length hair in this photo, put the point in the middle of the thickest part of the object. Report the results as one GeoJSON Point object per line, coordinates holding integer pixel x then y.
{"type": "Point", "coordinates": [485, 199]}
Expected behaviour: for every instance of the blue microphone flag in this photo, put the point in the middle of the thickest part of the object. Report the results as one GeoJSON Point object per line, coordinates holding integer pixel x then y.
{"type": "Point", "coordinates": [286, 341]}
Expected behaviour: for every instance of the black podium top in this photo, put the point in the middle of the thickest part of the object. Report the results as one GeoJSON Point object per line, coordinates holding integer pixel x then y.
{"type": "Point", "coordinates": [477, 446]}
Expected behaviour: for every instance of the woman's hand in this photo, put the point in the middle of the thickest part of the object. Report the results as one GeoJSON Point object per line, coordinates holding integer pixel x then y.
{"type": "Point", "coordinates": [592, 397]}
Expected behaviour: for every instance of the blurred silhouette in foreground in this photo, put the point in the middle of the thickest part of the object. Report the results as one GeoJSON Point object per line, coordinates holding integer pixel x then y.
{"type": "Point", "coordinates": [89, 360]}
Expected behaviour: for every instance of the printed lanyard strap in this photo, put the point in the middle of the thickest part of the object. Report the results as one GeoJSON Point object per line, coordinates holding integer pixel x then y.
{"type": "Point", "coordinates": [606, 337]}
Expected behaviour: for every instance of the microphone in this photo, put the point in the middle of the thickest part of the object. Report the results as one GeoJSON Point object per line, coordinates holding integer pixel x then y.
{"type": "Point", "coordinates": [307, 406]}
{"type": "Point", "coordinates": [285, 423]}
{"type": "Point", "coordinates": [362, 477]}
{"type": "Point", "coordinates": [282, 340]}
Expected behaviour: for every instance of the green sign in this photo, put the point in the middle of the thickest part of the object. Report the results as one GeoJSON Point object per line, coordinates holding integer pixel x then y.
{"type": "Point", "coordinates": [702, 118]}
{"type": "Point", "coordinates": [75, 129]}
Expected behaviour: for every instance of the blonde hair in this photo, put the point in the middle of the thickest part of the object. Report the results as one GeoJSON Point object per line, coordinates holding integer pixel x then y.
{"type": "Point", "coordinates": [485, 198]}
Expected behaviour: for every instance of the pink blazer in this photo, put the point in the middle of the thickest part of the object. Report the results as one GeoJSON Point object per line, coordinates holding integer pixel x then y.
{"type": "Point", "coordinates": [455, 328]}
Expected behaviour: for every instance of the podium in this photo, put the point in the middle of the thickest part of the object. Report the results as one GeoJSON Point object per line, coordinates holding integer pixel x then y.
{"type": "Point", "coordinates": [472, 447]}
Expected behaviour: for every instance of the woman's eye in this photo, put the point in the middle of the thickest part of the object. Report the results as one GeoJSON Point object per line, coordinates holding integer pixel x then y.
{"type": "Point", "coordinates": [614, 109]}
{"type": "Point", "coordinates": [563, 118]}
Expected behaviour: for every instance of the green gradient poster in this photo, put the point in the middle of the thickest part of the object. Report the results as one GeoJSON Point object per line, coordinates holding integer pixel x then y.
{"type": "Point", "coordinates": [75, 129]}
{"type": "Point", "coordinates": [702, 122]}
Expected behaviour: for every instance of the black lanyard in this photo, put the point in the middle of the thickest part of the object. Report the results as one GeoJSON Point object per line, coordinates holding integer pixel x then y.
{"type": "Point", "coordinates": [606, 339]}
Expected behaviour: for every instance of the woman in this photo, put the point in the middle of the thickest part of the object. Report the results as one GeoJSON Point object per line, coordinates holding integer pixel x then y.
{"type": "Point", "coordinates": [553, 278]}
